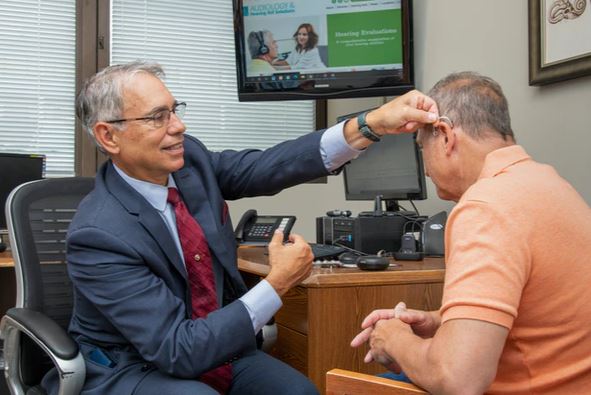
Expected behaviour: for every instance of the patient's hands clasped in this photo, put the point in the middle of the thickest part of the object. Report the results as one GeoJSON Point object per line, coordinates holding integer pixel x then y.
{"type": "Point", "coordinates": [379, 325]}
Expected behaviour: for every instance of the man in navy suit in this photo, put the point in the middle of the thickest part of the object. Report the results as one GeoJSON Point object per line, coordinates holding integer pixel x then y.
{"type": "Point", "coordinates": [132, 311]}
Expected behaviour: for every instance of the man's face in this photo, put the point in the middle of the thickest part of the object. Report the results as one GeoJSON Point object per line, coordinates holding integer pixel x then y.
{"type": "Point", "coordinates": [437, 163]}
{"type": "Point", "coordinates": [144, 151]}
{"type": "Point", "coordinates": [273, 48]}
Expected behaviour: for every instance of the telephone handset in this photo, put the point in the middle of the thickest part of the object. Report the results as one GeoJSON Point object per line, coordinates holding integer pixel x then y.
{"type": "Point", "coordinates": [259, 229]}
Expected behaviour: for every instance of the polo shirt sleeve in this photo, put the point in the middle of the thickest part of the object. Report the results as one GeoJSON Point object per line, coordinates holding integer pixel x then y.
{"type": "Point", "coordinates": [487, 265]}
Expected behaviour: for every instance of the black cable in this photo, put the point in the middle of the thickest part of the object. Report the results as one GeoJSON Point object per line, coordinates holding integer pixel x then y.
{"type": "Point", "coordinates": [349, 248]}
{"type": "Point", "coordinates": [410, 217]}
{"type": "Point", "coordinates": [341, 238]}
{"type": "Point", "coordinates": [415, 207]}
{"type": "Point", "coordinates": [413, 222]}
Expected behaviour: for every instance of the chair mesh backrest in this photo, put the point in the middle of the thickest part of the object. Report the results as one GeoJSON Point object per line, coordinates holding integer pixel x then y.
{"type": "Point", "coordinates": [49, 225]}
{"type": "Point", "coordinates": [39, 214]}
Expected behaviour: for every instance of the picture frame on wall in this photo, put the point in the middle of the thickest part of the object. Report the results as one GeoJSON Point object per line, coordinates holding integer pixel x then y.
{"type": "Point", "coordinates": [559, 40]}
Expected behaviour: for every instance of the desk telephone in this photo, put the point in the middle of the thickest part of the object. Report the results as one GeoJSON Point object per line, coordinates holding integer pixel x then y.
{"type": "Point", "coordinates": [259, 229]}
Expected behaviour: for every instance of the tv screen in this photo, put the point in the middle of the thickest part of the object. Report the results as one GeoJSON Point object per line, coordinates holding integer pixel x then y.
{"type": "Point", "coordinates": [322, 49]}
{"type": "Point", "coordinates": [392, 168]}
{"type": "Point", "coordinates": [16, 169]}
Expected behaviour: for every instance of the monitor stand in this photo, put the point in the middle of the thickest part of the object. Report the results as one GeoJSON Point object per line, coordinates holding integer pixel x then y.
{"type": "Point", "coordinates": [392, 209]}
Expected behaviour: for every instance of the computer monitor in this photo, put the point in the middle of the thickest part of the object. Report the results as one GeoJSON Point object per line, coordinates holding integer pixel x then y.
{"type": "Point", "coordinates": [392, 169]}
{"type": "Point", "coordinates": [16, 169]}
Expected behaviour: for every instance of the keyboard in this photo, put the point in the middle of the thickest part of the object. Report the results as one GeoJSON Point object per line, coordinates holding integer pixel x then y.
{"type": "Point", "coordinates": [326, 251]}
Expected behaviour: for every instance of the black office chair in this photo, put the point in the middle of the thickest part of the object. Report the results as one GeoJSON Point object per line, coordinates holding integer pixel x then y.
{"type": "Point", "coordinates": [38, 214]}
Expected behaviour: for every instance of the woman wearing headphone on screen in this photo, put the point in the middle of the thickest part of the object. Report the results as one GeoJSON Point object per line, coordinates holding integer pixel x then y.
{"type": "Point", "coordinates": [305, 55]}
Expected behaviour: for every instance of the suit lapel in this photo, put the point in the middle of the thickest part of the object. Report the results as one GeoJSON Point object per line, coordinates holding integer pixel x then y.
{"type": "Point", "coordinates": [154, 224]}
{"type": "Point", "coordinates": [147, 216]}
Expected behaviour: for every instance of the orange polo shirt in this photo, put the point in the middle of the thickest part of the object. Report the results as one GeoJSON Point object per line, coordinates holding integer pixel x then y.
{"type": "Point", "coordinates": [518, 254]}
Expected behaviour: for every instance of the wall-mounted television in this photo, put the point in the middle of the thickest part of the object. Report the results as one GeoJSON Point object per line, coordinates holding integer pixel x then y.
{"type": "Point", "coordinates": [323, 49]}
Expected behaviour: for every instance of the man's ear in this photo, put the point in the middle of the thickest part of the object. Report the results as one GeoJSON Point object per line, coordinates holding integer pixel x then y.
{"type": "Point", "coordinates": [105, 135]}
{"type": "Point", "coordinates": [449, 137]}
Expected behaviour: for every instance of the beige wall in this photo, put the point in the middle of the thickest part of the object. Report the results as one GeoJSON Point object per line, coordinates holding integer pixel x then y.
{"type": "Point", "coordinates": [491, 37]}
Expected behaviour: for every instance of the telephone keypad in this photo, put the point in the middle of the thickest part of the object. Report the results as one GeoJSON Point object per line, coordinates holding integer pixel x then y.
{"type": "Point", "coordinates": [260, 230]}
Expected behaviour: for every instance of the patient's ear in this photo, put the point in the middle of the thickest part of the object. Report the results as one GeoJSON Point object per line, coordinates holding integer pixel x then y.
{"type": "Point", "coordinates": [449, 136]}
{"type": "Point", "coordinates": [106, 136]}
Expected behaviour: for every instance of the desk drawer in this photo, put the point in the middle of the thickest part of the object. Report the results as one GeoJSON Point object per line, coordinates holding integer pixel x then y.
{"type": "Point", "coordinates": [292, 348]}
{"type": "Point", "coordinates": [294, 312]}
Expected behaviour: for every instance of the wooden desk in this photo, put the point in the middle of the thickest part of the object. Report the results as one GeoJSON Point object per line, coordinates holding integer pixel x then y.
{"type": "Point", "coordinates": [6, 259]}
{"type": "Point", "coordinates": [320, 317]}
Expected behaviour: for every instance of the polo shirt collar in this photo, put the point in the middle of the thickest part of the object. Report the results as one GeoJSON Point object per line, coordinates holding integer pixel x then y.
{"type": "Point", "coordinates": [498, 160]}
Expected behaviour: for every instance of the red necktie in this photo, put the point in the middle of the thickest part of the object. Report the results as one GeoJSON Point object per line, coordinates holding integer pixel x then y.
{"type": "Point", "coordinates": [201, 281]}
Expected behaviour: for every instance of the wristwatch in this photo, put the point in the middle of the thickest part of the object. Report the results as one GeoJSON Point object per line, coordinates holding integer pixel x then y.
{"type": "Point", "coordinates": [365, 130]}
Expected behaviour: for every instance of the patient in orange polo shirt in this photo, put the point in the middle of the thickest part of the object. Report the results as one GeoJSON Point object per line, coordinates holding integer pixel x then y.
{"type": "Point", "coordinates": [516, 310]}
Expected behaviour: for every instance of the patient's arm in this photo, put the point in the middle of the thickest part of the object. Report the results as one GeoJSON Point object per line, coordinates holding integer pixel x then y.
{"type": "Point", "coordinates": [462, 357]}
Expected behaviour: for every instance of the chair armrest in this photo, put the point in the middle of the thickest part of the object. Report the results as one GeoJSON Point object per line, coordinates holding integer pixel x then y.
{"type": "Point", "coordinates": [47, 331]}
{"type": "Point", "coordinates": [340, 382]}
{"type": "Point", "coordinates": [51, 338]}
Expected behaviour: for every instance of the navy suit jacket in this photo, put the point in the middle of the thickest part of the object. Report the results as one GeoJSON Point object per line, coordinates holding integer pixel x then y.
{"type": "Point", "coordinates": [132, 303]}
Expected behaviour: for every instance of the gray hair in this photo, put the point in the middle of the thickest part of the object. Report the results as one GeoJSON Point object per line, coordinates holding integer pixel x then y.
{"type": "Point", "coordinates": [475, 102]}
{"type": "Point", "coordinates": [101, 96]}
{"type": "Point", "coordinates": [256, 40]}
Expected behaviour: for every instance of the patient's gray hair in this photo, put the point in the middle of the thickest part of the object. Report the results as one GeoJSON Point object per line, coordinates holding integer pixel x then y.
{"type": "Point", "coordinates": [475, 102]}
{"type": "Point", "coordinates": [101, 96]}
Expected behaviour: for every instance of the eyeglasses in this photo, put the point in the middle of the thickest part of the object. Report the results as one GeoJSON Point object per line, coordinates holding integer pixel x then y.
{"type": "Point", "coordinates": [160, 117]}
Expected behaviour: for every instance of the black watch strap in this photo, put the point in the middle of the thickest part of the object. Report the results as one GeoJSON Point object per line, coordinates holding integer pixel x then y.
{"type": "Point", "coordinates": [365, 130]}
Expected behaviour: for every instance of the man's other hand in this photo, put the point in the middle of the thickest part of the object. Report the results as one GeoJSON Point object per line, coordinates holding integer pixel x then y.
{"type": "Point", "coordinates": [290, 263]}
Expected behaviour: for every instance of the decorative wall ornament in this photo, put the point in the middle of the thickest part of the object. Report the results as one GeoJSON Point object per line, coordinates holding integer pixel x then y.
{"type": "Point", "coordinates": [565, 9]}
